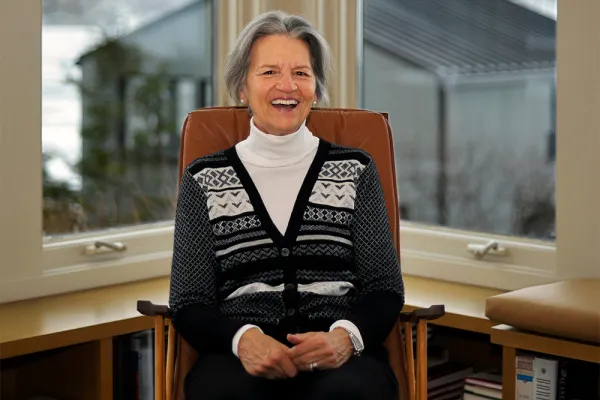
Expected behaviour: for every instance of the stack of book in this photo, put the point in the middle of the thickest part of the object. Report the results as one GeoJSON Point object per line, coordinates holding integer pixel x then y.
{"type": "Point", "coordinates": [445, 381]}
{"type": "Point", "coordinates": [483, 386]}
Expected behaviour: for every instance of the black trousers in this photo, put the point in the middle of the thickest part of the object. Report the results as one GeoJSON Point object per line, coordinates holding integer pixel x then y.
{"type": "Point", "coordinates": [222, 376]}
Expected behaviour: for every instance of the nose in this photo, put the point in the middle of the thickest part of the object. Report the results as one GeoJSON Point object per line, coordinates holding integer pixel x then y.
{"type": "Point", "coordinates": [286, 83]}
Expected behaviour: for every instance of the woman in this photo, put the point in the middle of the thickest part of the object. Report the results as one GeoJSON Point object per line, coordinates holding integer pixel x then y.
{"type": "Point", "coordinates": [285, 277]}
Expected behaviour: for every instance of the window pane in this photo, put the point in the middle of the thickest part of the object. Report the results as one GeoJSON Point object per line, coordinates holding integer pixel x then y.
{"type": "Point", "coordinates": [118, 79]}
{"type": "Point", "coordinates": [469, 86]}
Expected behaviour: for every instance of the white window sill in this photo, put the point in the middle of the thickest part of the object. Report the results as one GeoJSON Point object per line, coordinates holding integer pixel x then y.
{"type": "Point", "coordinates": [427, 252]}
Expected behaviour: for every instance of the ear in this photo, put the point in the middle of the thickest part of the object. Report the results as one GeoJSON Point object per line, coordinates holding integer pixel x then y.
{"type": "Point", "coordinates": [243, 96]}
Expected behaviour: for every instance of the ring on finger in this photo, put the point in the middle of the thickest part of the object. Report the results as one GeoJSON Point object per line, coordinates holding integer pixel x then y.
{"type": "Point", "coordinates": [313, 366]}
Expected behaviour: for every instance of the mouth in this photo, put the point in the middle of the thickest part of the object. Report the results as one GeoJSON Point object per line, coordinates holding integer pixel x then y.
{"type": "Point", "coordinates": [285, 104]}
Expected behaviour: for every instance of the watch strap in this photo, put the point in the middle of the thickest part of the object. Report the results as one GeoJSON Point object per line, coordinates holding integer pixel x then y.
{"type": "Point", "coordinates": [358, 347]}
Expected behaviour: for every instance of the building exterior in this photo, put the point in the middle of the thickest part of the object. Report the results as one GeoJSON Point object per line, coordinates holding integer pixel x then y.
{"type": "Point", "coordinates": [136, 92]}
{"type": "Point", "coordinates": [469, 88]}
{"type": "Point", "coordinates": [468, 85]}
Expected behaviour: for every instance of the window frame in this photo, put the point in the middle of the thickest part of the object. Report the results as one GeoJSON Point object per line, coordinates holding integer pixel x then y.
{"type": "Point", "coordinates": [33, 266]}
{"type": "Point", "coordinates": [440, 252]}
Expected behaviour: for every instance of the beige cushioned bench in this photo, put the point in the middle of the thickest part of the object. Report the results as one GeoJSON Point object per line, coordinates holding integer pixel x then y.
{"type": "Point", "coordinates": [568, 309]}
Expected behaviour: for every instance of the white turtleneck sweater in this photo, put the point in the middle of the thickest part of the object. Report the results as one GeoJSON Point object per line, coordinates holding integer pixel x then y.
{"type": "Point", "coordinates": [277, 162]}
{"type": "Point", "coordinates": [278, 166]}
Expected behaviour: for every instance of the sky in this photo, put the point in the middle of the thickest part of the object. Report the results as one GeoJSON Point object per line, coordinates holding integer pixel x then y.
{"type": "Point", "coordinates": [61, 110]}
{"type": "Point", "coordinates": [66, 34]}
{"type": "Point", "coordinates": [544, 7]}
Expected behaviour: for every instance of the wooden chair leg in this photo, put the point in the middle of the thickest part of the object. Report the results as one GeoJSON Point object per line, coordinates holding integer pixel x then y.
{"type": "Point", "coordinates": [422, 359]}
{"type": "Point", "coordinates": [410, 359]}
{"type": "Point", "coordinates": [403, 381]}
{"type": "Point", "coordinates": [170, 360]}
{"type": "Point", "coordinates": [159, 357]}
{"type": "Point", "coordinates": [418, 391]}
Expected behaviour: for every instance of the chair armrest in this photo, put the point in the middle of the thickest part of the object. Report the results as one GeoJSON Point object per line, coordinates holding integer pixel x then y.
{"type": "Point", "coordinates": [429, 313]}
{"type": "Point", "coordinates": [150, 309]}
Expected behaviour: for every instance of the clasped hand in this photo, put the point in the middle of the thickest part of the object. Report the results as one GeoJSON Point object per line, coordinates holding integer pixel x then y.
{"type": "Point", "coordinates": [261, 355]}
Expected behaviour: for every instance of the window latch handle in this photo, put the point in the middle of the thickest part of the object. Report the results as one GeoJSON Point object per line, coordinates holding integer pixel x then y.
{"type": "Point", "coordinates": [101, 246]}
{"type": "Point", "coordinates": [480, 250]}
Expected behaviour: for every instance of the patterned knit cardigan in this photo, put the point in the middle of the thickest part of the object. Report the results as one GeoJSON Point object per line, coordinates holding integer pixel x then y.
{"type": "Point", "coordinates": [232, 266]}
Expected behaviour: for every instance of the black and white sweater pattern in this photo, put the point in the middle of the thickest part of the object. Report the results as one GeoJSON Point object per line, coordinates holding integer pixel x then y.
{"type": "Point", "coordinates": [232, 266]}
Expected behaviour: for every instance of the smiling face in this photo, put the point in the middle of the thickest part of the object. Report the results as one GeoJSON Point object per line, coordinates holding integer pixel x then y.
{"type": "Point", "coordinates": [280, 84]}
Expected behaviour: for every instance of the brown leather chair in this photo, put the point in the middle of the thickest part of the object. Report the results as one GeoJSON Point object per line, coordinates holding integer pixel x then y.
{"type": "Point", "coordinates": [212, 129]}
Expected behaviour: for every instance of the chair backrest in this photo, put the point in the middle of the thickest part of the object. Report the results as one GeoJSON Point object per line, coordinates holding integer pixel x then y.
{"type": "Point", "coordinates": [213, 129]}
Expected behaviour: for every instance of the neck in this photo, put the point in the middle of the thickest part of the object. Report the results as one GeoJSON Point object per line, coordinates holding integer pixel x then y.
{"type": "Point", "coordinates": [267, 149]}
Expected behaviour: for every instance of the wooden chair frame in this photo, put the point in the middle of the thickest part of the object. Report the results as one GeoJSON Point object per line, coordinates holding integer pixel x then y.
{"type": "Point", "coordinates": [416, 378]}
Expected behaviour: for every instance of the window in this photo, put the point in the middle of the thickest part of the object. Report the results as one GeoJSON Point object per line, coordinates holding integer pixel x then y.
{"type": "Point", "coordinates": [117, 81]}
{"type": "Point", "coordinates": [468, 85]}
{"type": "Point", "coordinates": [470, 88]}
{"type": "Point", "coordinates": [117, 84]}
{"type": "Point", "coordinates": [52, 254]}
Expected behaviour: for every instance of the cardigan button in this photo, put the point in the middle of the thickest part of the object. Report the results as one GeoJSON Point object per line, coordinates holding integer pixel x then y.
{"type": "Point", "coordinates": [285, 252]}
{"type": "Point", "coordinates": [291, 312]}
{"type": "Point", "coordinates": [289, 286]}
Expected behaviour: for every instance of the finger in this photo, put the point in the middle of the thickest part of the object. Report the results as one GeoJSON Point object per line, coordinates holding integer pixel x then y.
{"type": "Point", "coordinates": [293, 339]}
{"type": "Point", "coordinates": [314, 343]}
{"type": "Point", "coordinates": [273, 372]}
{"type": "Point", "coordinates": [322, 364]}
{"type": "Point", "coordinates": [269, 368]}
{"type": "Point", "coordinates": [288, 367]}
{"type": "Point", "coordinates": [278, 369]}
{"type": "Point", "coordinates": [280, 363]}
{"type": "Point", "coordinates": [310, 357]}
{"type": "Point", "coordinates": [300, 337]}
{"type": "Point", "coordinates": [310, 344]}
{"type": "Point", "coordinates": [272, 375]}
{"type": "Point", "coordinates": [306, 367]}
{"type": "Point", "coordinates": [301, 350]}
{"type": "Point", "coordinates": [265, 372]}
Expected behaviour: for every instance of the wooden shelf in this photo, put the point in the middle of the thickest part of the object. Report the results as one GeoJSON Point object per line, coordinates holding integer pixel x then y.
{"type": "Point", "coordinates": [465, 304]}
{"type": "Point", "coordinates": [57, 321]}
{"type": "Point", "coordinates": [82, 371]}
{"type": "Point", "coordinates": [81, 326]}
{"type": "Point", "coordinates": [510, 337]}
{"type": "Point", "coordinates": [512, 340]}
{"type": "Point", "coordinates": [37, 334]}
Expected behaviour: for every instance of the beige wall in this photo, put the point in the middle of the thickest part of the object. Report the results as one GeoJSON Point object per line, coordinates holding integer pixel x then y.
{"type": "Point", "coordinates": [578, 137]}
{"type": "Point", "coordinates": [335, 19]}
{"type": "Point", "coordinates": [20, 145]}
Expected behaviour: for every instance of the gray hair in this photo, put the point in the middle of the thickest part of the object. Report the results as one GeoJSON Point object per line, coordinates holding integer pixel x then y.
{"type": "Point", "coordinates": [277, 23]}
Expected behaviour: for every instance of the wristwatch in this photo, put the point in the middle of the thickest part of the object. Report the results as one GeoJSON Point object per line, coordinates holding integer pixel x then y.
{"type": "Point", "coordinates": [358, 347]}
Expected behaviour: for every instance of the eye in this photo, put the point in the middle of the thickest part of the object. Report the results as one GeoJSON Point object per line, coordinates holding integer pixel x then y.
{"type": "Point", "coordinates": [301, 73]}
{"type": "Point", "coordinates": [269, 72]}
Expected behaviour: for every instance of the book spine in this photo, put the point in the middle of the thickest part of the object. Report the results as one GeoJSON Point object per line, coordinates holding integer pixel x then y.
{"type": "Point", "coordinates": [545, 371]}
{"type": "Point", "coordinates": [524, 378]}
{"type": "Point", "coordinates": [561, 386]}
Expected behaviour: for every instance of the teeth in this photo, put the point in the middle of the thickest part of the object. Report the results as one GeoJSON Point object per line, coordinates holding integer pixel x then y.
{"type": "Point", "coordinates": [285, 102]}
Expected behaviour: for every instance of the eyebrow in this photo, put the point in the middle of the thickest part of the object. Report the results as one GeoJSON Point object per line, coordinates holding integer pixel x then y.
{"type": "Point", "coordinates": [277, 66]}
